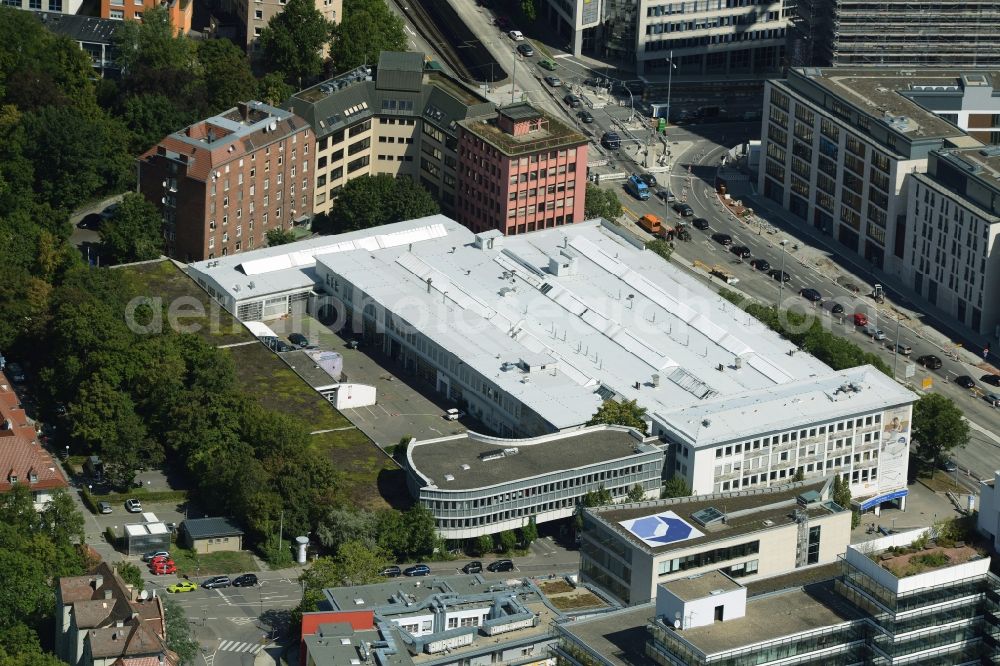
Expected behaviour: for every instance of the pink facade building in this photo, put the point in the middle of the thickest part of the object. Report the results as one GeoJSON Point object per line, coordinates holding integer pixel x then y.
{"type": "Point", "coordinates": [520, 171]}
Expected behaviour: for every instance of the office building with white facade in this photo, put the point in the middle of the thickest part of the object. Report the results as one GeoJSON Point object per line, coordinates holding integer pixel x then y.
{"type": "Point", "coordinates": [953, 214]}
{"type": "Point", "coordinates": [988, 517]}
{"type": "Point", "coordinates": [475, 484]}
{"type": "Point", "coordinates": [627, 550]}
{"type": "Point", "coordinates": [529, 334]}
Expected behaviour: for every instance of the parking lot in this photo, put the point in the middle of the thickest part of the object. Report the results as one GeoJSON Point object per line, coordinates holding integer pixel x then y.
{"type": "Point", "coordinates": [403, 407]}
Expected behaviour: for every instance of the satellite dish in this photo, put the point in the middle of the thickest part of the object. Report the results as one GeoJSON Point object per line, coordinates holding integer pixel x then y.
{"type": "Point", "coordinates": [273, 126]}
{"type": "Point", "coordinates": [144, 595]}
{"type": "Point", "coordinates": [677, 624]}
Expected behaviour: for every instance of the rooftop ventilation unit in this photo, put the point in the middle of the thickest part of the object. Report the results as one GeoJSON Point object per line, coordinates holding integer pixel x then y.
{"type": "Point", "coordinates": [708, 516]}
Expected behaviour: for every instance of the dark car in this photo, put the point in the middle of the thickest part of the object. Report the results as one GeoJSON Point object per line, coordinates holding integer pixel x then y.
{"type": "Point", "coordinates": [473, 567]}
{"type": "Point", "coordinates": [417, 570]}
{"type": "Point", "coordinates": [574, 102]}
{"type": "Point", "coordinates": [741, 251]}
{"type": "Point", "coordinates": [965, 381]}
{"type": "Point", "coordinates": [648, 178]}
{"type": "Point", "coordinates": [501, 565]}
{"type": "Point", "coordinates": [585, 117]}
{"type": "Point", "coordinates": [391, 572]}
{"type": "Point", "coordinates": [608, 139]}
{"type": "Point", "coordinates": [834, 307]}
{"type": "Point", "coordinates": [724, 240]}
{"type": "Point", "coordinates": [216, 582]}
{"type": "Point", "coordinates": [553, 81]}
{"type": "Point", "coordinates": [761, 264]}
{"type": "Point", "coordinates": [298, 339]}
{"type": "Point", "coordinates": [683, 209]}
{"type": "Point", "coordinates": [526, 50]}
{"type": "Point", "coordinates": [949, 466]}
{"type": "Point", "coordinates": [929, 361]}
{"type": "Point", "coordinates": [282, 346]}
{"type": "Point", "coordinates": [811, 294]}
{"type": "Point", "coordinates": [700, 223]}
{"type": "Point", "coordinates": [246, 580]}
{"type": "Point", "coordinates": [777, 275]}
{"type": "Point", "coordinates": [991, 379]}
{"type": "Point", "coordinates": [92, 222]}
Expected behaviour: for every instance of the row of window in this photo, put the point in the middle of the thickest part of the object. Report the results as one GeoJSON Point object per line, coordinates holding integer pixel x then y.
{"type": "Point", "coordinates": [796, 435]}
{"type": "Point", "coordinates": [709, 23]}
{"type": "Point", "coordinates": [707, 40]}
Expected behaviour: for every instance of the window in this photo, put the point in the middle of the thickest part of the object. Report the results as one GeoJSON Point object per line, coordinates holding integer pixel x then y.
{"type": "Point", "coordinates": [258, 14]}
{"type": "Point", "coordinates": [117, 14]}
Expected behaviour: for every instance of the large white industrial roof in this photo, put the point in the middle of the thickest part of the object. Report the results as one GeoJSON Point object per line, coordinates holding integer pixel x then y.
{"type": "Point", "coordinates": [615, 317]}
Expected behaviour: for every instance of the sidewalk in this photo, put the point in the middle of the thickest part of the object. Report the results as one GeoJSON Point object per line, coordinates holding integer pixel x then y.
{"type": "Point", "coordinates": [820, 254]}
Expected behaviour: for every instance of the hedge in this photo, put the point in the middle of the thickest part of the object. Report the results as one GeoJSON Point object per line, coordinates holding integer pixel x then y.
{"type": "Point", "coordinates": [146, 496]}
{"type": "Point", "coordinates": [88, 500]}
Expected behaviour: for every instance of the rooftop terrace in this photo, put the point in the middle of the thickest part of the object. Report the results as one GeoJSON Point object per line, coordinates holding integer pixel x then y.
{"type": "Point", "coordinates": [553, 135]}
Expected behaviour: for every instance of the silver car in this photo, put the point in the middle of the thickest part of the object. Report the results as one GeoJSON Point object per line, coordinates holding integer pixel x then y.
{"type": "Point", "coordinates": [992, 398]}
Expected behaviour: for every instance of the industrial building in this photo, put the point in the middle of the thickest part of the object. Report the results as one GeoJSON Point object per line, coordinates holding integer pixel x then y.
{"type": "Point", "coordinates": [627, 550]}
{"type": "Point", "coordinates": [530, 333]}
{"type": "Point", "coordinates": [399, 120]}
{"type": "Point", "coordinates": [475, 484]}
{"type": "Point", "coordinates": [897, 33]}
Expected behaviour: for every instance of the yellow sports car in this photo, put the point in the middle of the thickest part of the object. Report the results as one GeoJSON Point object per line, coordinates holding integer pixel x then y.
{"type": "Point", "coordinates": [182, 586]}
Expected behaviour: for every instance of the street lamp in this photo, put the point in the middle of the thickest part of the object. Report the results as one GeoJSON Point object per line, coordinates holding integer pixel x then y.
{"type": "Point", "coordinates": [670, 78]}
{"type": "Point", "coordinates": [781, 272]}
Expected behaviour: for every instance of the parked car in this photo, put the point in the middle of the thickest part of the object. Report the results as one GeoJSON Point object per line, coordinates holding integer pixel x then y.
{"type": "Point", "coordinates": [501, 565]}
{"type": "Point", "coordinates": [900, 348]}
{"type": "Point", "coordinates": [417, 570]}
{"type": "Point", "coordinates": [553, 81]}
{"type": "Point", "coordinates": [609, 140]}
{"type": "Point", "coordinates": [965, 381]}
{"type": "Point", "coordinates": [473, 567]}
{"type": "Point", "coordinates": [683, 209]}
{"type": "Point", "coordinates": [761, 264]}
{"type": "Point", "coordinates": [574, 102]}
{"type": "Point", "coordinates": [874, 332]}
{"type": "Point", "coordinates": [860, 319]}
{"type": "Point", "coordinates": [991, 379]}
{"type": "Point", "coordinates": [282, 346]}
{"type": "Point", "coordinates": [526, 50]}
{"type": "Point", "coordinates": [133, 506]}
{"type": "Point", "coordinates": [649, 179]}
{"type": "Point", "coordinates": [779, 276]}
{"type": "Point", "coordinates": [164, 568]}
{"type": "Point", "coordinates": [182, 586]}
{"type": "Point", "coordinates": [391, 572]}
{"type": "Point", "coordinates": [104, 507]}
{"type": "Point", "coordinates": [741, 251]}
{"type": "Point", "coordinates": [216, 582]}
{"type": "Point", "coordinates": [246, 580]}
{"type": "Point", "coordinates": [516, 35]}
{"type": "Point", "coordinates": [586, 117]}
{"type": "Point", "coordinates": [154, 554]}
{"type": "Point", "coordinates": [930, 361]}
{"type": "Point", "coordinates": [700, 223]}
{"type": "Point", "coordinates": [992, 398]}
{"type": "Point", "coordinates": [811, 294]}
{"type": "Point", "coordinates": [949, 466]}
{"type": "Point", "coordinates": [298, 339]}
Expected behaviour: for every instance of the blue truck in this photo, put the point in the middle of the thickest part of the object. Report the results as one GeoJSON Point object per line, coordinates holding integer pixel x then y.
{"type": "Point", "coordinates": [636, 187]}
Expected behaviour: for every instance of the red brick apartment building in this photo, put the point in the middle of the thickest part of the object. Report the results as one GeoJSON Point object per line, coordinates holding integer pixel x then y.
{"type": "Point", "coordinates": [223, 183]}
{"type": "Point", "coordinates": [520, 171]}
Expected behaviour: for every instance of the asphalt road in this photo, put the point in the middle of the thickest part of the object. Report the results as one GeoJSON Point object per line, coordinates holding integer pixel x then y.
{"type": "Point", "coordinates": [979, 457]}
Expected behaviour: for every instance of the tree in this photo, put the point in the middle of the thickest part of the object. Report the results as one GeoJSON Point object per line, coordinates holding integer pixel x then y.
{"type": "Point", "coordinates": [842, 496]}
{"type": "Point", "coordinates": [322, 573]}
{"type": "Point", "coordinates": [675, 487]}
{"type": "Point", "coordinates": [131, 574]}
{"type": "Point", "coordinates": [508, 541]}
{"type": "Point", "coordinates": [226, 73]}
{"type": "Point", "coordinates": [529, 10]}
{"type": "Point", "coordinates": [368, 27]}
{"type": "Point", "coordinates": [599, 497]}
{"type": "Point", "coordinates": [279, 237]}
{"type": "Point", "coordinates": [152, 116]}
{"type": "Point", "coordinates": [626, 413]}
{"type": "Point", "coordinates": [661, 247]}
{"type": "Point", "coordinates": [371, 201]}
{"type": "Point", "coordinates": [421, 535]}
{"type": "Point", "coordinates": [133, 232]}
{"type": "Point", "coordinates": [484, 544]}
{"type": "Point", "coordinates": [938, 428]}
{"type": "Point", "coordinates": [636, 493]}
{"type": "Point", "coordinates": [529, 532]}
{"type": "Point", "coordinates": [359, 563]}
{"type": "Point", "coordinates": [179, 633]}
{"type": "Point", "coordinates": [292, 42]}
{"type": "Point", "coordinates": [273, 89]}
{"type": "Point", "coordinates": [61, 520]}
{"type": "Point", "coordinates": [601, 203]}
{"type": "Point", "coordinates": [800, 475]}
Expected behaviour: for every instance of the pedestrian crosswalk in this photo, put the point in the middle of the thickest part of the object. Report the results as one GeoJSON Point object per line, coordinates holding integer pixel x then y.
{"type": "Point", "coordinates": [239, 646]}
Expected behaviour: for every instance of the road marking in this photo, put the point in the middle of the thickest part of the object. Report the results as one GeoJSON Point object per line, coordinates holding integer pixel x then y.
{"type": "Point", "coordinates": [409, 30]}
{"type": "Point", "coordinates": [240, 646]}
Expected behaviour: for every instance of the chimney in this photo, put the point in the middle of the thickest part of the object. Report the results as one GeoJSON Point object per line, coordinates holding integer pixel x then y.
{"type": "Point", "coordinates": [108, 594]}
{"type": "Point", "coordinates": [119, 624]}
{"type": "Point", "coordinates": [244, 110]}
{"type": "Point", "coordinates": [97, 582]}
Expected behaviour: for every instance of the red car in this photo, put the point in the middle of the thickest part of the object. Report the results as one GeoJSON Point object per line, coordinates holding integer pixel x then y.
{"type": "Point", "coordinates": [860, 319]}
{"type": "Point", "coordinates": [160, 558]}
{"type": "Point", "coordinates": [163, 568]}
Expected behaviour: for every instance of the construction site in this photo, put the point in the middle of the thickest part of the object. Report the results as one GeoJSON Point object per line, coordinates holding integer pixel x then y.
{"type": "Point", "coordinates": [897, 33]}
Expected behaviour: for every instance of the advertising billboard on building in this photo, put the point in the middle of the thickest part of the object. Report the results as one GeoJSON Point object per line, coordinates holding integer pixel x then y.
{"type": "Point", "coordinates": [894, 449]}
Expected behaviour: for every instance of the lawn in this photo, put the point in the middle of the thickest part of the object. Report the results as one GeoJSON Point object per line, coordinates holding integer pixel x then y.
{"type": "Point", "coordinates": [361, 464]}
{"type": "Point", "coordinates": [192, 564]}
{"type": "Point", "coordinates": [555, 587]}
{"type": "Point", "coordinates": [941, 482]}
{"type": "Point", "coordinates": [570, 602]}
{"type": "Point", "coordinates": [182, 295]}
{"type": "Point", "coordinates": [263, 375]}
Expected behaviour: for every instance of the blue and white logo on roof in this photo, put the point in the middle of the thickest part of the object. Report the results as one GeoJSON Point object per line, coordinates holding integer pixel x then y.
{"type": "Point", "coordinates": [661, 529]}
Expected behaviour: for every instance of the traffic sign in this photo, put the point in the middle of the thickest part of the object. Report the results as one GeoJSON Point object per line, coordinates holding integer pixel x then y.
{"type": "Point", "coordinates": [927, 383]}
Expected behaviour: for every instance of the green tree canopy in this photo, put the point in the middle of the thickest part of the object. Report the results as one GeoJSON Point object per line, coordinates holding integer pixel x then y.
{"type": "Point", "coordinates": [625, 413]}
{"type": "Point", "coordinates": [179, 637]}
{"type": "Point", "coordinates": [367, 28]}
{"type": "Point", "coordinates": [279, 237]}
{"type": "Point", "coordinates": [508, 541]}
{"type": "Point", "coordinates": [675, 486]}
{"type": "Point", "coordinates": [600, 202]}
{"type": "Point", "coordinates": [636, 493]}
{"type": "Point", "coordinates": [134, 231]}
{"type": "Point", "coordinates": [529, 532]}
{"type": "Point", "coordinates": [484, 544]}
{"type": "Point", "coordinates": [293, 40]}
{"type": "Point", "coordinates": [225, 71]}
{"type": "Point", "coordinates": [371, 201]}
{"type": "Point", "coordinates": [938, 427]}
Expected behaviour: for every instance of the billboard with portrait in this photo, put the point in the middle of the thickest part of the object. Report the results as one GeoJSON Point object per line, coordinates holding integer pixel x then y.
{"type": "Point", "coordinates": [894, 449]}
